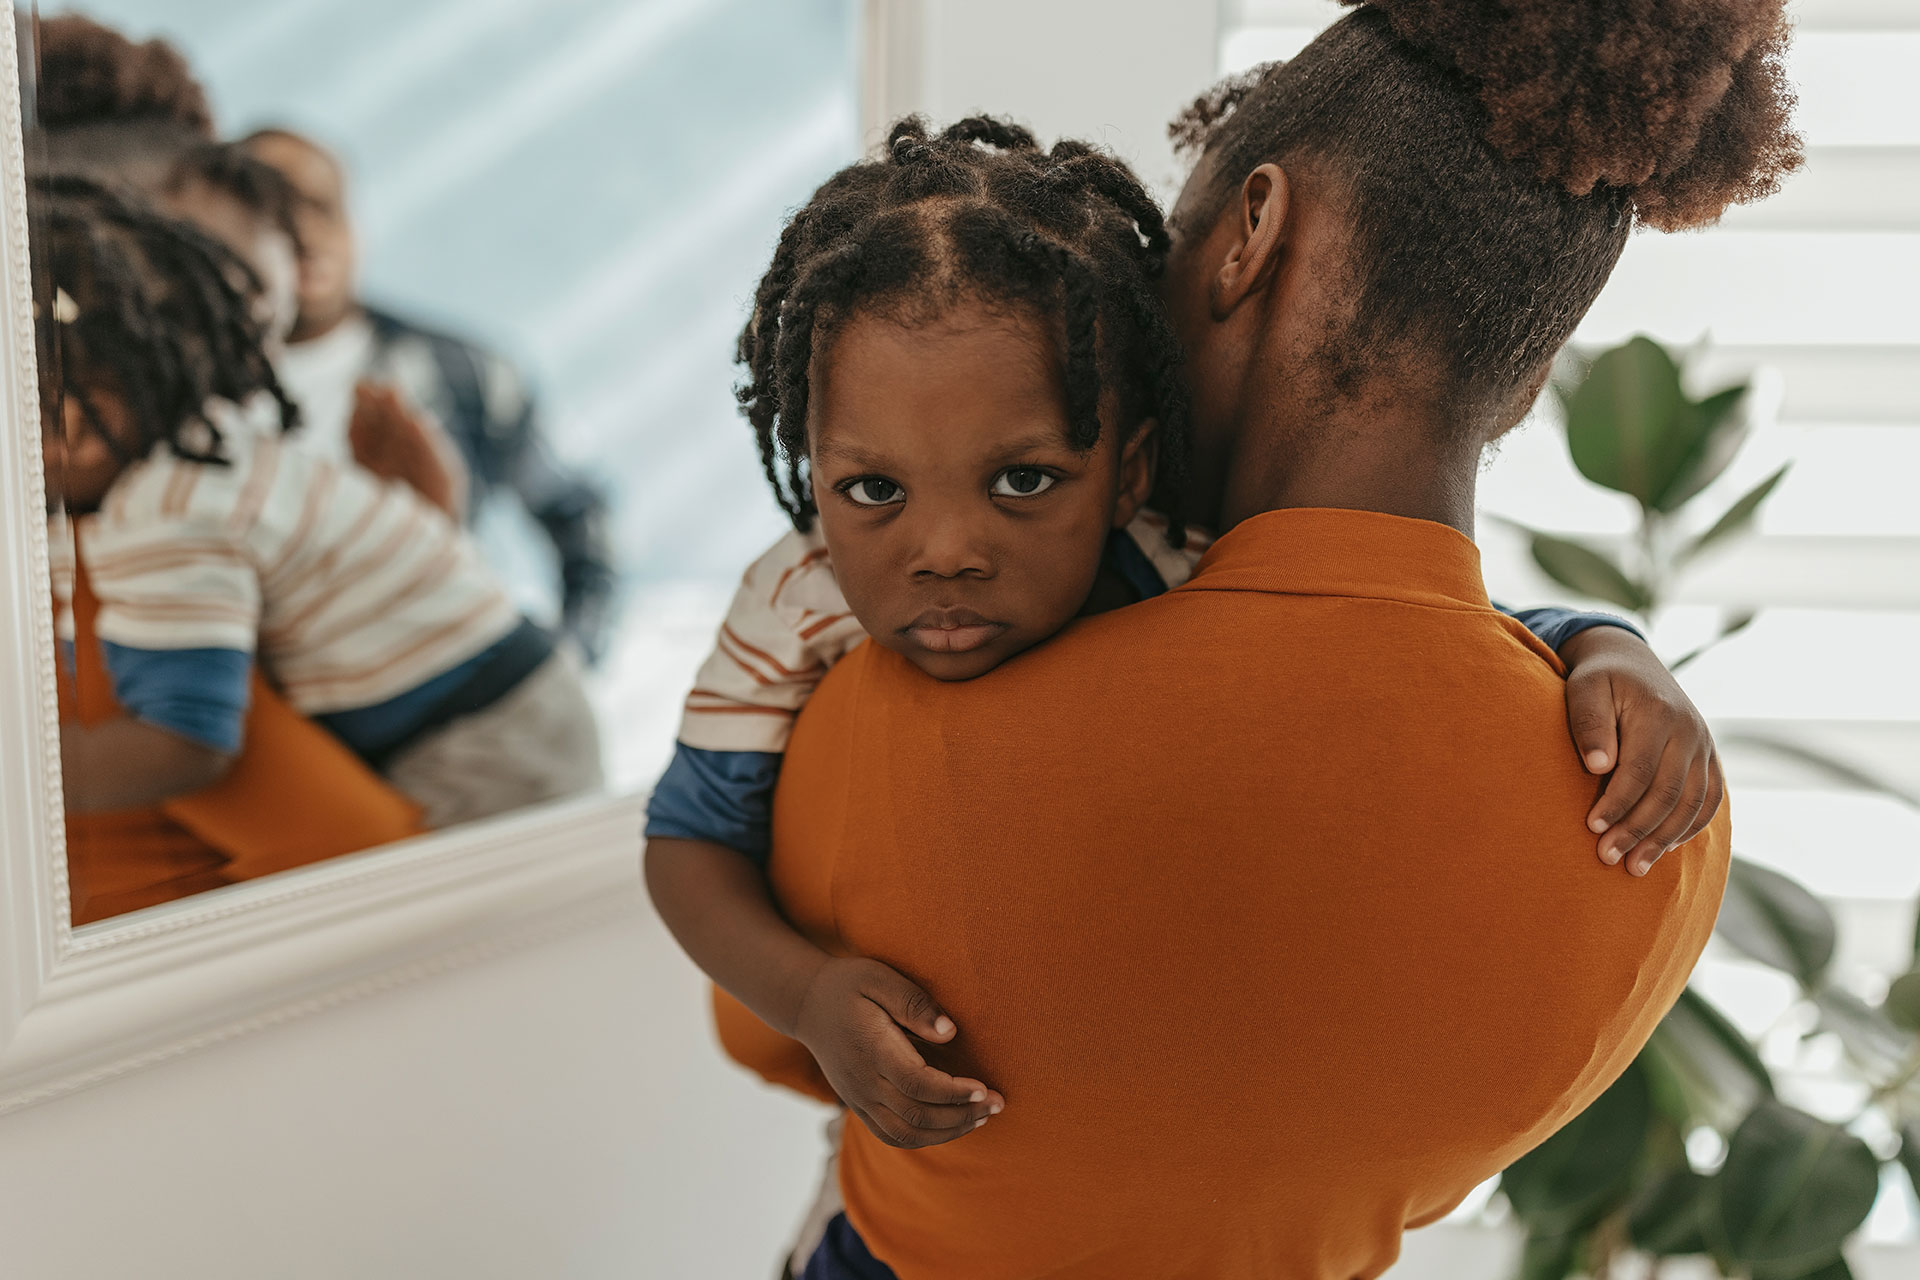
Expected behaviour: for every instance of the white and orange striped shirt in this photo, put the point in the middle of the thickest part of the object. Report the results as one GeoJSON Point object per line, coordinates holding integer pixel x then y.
{"type": "Point", "coordinates": [789, 624]}
{"type": "Point", "coordinates": [350, 590]}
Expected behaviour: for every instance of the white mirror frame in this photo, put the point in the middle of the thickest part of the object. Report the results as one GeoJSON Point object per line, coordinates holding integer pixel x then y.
{"type": "Point", "coordinates": [80, 1006]}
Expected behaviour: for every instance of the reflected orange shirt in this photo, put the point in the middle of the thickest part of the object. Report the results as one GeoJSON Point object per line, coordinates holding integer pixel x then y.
{"type": "Point", "coordinates": [1268, 904]}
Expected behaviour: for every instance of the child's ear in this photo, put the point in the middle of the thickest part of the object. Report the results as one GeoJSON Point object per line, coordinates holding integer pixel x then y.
{"type": "Point", "coordinates": [1139, 460]}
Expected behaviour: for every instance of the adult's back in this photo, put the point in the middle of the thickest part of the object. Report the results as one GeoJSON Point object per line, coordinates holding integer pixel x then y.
{"type": "Point", "coordinates": [1268, 905]}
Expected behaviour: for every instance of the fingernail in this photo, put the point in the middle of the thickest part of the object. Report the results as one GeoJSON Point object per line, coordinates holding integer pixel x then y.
{"type": "Point", "coordinates": [943, 1026]}
{"type": "Point", "coordinates": [1610, 856]}
{"type": "Point", "coordinates": [977, 1096]}
{"type": "Point", "coordinates": [1596, 760]}
{"type": "Point", "coordinates": [977, 1123]}
{"type": "Point", "coordinates": [994, 1110]}
{"type": "Point", "coordinates": [1639, 868]}
{"type": "Point", "coordinates": [1598, 825]}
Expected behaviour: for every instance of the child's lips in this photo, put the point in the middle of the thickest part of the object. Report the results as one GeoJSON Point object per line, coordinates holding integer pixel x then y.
{"type": "Point", "coordinates": [953, 630]}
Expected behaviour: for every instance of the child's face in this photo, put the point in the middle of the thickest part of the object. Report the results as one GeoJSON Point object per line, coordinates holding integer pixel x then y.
{"type": "Point", "coordinates": [86, 467]}
{"type": "Point", "coordinates": [963, 526]}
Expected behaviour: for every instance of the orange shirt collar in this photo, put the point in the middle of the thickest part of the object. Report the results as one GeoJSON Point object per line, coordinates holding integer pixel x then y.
{"type": "Point", "coordinates": [1320, 551]}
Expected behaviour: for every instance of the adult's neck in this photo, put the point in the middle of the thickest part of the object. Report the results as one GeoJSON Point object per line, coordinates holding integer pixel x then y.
{"type": "Point", "coordinates": [1396, 459]}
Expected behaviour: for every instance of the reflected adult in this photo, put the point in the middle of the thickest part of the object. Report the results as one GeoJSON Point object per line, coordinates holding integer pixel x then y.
{"type": "Point", "coordinates": [113, 107]}
{"type": "Point", "coordinates": [1270, 904]}
{"type": "Point", "coordinates": [340, 341]}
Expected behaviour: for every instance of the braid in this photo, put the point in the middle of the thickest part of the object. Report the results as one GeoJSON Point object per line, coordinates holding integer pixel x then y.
{"type": "Point", "coordinates": [977, 210]}
{"type": "Point", "coordinates": [829, 278]}
{"type": "Point", "coordinates": [163, 308]}
{"type": "Point", "coordinates": [1082, 308]}
{"type": "Point", "coordinates": [1004, 134]}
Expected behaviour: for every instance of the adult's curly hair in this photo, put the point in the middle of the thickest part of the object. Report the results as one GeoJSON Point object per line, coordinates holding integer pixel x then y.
{"type": "Point", "coordinates": [1495, 153]}
{"type": "Point", "coordinates": [975, 212]}
{"type": "Point", "coordinates": [90, 74]}
{"type": "Point", "coordinates": [147, 307]}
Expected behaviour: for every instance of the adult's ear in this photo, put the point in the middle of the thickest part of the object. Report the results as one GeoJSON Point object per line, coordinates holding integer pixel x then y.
{"type": "Point", "coordinates": [1139, 462]}
{"type": "Point", "coordinates": [1260, 211]}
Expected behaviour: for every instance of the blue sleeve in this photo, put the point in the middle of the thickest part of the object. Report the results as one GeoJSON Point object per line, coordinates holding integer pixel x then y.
{"type": "Point", "coordinates": [197, 693]}
{"type": "Point", "coordinates": [1557, 626]}
{"type": "Point", "coordinates": [722, 796]}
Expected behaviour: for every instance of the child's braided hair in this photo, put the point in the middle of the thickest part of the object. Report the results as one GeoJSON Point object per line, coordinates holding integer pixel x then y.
{"type": "Point", "coordinates": [148, 305]}
{"type": "Point", "coordinates": [232, 170]}
{"type": "Point", "coordinates": [975, 212]}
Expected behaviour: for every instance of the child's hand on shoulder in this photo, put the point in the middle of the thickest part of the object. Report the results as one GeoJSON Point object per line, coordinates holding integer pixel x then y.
{"type": "Point", "coordinates": [1631, 720]}
{"type": "Point", "coordinates": [855, 1017]}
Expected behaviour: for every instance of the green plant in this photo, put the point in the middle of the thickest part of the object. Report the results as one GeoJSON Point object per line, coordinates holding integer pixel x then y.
{"type": "Point", "coordinates": [1791, 1187]}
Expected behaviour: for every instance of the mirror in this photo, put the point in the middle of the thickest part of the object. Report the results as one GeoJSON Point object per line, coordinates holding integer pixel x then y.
{"type": "Point", "coordinates": [394, 479]}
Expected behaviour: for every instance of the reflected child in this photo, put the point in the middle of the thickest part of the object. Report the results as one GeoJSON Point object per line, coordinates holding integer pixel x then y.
{"type": "Point", "coordinates": [211, 543]}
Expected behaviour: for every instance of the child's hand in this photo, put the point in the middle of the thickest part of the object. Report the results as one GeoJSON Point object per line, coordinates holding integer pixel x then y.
{"type": "Point", "coordinates": [395, 442]}
{"type": "Point", "coordinates": [1630, 717]}
{"type": "Point", "coordinates": [851, 1018]}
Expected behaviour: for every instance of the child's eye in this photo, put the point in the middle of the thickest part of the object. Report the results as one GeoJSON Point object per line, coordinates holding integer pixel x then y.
{"type": "Point", "coordinates": [872, 491]}
{"type": "Point", "coordinates": [1021, 482]}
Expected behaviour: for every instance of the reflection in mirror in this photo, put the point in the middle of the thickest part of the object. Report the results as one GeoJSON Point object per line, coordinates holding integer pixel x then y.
{"type": "Point", "coordinates": [327, 575]}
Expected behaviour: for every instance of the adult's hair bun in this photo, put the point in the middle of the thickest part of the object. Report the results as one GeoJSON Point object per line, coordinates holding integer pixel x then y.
{"type": "Point", "coordinates": [1681, 104]}
{"type": "Point", "coordinates": [92, 75]}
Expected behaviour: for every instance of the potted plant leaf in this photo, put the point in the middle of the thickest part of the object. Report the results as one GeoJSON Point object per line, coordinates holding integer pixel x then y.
{"type": "Point", "coordinates": [1786, 1189]}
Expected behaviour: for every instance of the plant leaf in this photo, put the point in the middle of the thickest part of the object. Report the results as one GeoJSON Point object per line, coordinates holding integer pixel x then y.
{"type": "Point", "coordinates": [1876, 1045]}
{"type": "Point", "coordinates": [1772, 919]}
{"type": "Point", "coordinates": [1580, 568]}
{"type": "Point", "coordinates": [1731, 625]}
{"type": "Point", "coordinates": [1665, 1218]}
{"type": "Point", "coordinates": [1831, 766]}
{"type": "Point", "coordinates": [1835, 1269]}
{"type": "Point", "coordinates": [1714, 430]}
{"type": "Point", "coordinates": [1575, 1177]}
{"type": "Point", "coordinates": [1792, 1190]}
{"type": "Point", "coordinates": [1718, 1074]}
{"type": "Point", "coordinates": [1624, 417]}
{"type": "Point", "coordinates": [1737, 517]}
{"type": "Point", "coordinates": [1549, 1257]}
{"type": "Point", "coordinates": [1902, 1005]}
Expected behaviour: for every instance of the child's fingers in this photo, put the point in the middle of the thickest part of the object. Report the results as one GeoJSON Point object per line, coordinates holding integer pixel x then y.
{"type": "Point", "coordinates": [906, 1003]}
{"type": "Point", "coordinates": [1676, 826]}
{"type": "Point", "coordinates": [1594, 720]}
{"type": "Point", "coordinates": [1666, 788]}
{"type": "Point", "coordinates": [900, 1121]}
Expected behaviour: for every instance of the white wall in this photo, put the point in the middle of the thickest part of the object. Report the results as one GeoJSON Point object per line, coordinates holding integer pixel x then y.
{"type": "Point", "coordinates": [559, 1112]}
{"type": "Point", "coordinates": [1112, 73]}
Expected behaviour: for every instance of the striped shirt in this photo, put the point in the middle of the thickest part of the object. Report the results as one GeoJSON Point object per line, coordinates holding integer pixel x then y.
{"type": "Point", "coordinates": [789, 624]}
{"type": "Point", "coordinates": [351, 590]}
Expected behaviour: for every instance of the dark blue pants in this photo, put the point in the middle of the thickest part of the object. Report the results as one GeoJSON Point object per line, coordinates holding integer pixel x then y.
{"type": "Point", "coordinates": [843, 1255]}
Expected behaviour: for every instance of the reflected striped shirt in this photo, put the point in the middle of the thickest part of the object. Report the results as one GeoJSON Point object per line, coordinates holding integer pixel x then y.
{"type": "Point", "coordinates": [350, 590]}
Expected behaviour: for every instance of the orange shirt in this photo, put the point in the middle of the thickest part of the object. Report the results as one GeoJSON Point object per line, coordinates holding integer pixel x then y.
{"type": "Point", "coordinates": [1268, 904]}
{"type": "Point", "coordinates": [295, 796]}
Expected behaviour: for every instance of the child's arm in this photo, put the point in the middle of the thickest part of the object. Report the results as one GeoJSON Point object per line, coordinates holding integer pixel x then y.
{"type": "Point", "coordinates": [852, 1014]}
{"type": "Point", "coordinates": [125, 763]}
{"type": "Point", "coordinates": [708, 835]}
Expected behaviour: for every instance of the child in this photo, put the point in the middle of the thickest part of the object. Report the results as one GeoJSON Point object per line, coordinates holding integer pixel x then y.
{"type": "Point", "coordinates": [205, 537]}
{"type": "Point", "coordinates": [959, 357]}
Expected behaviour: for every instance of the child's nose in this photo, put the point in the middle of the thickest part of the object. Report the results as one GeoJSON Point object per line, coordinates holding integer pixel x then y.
{"type": "Point", "coordinates": [951, 546]}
